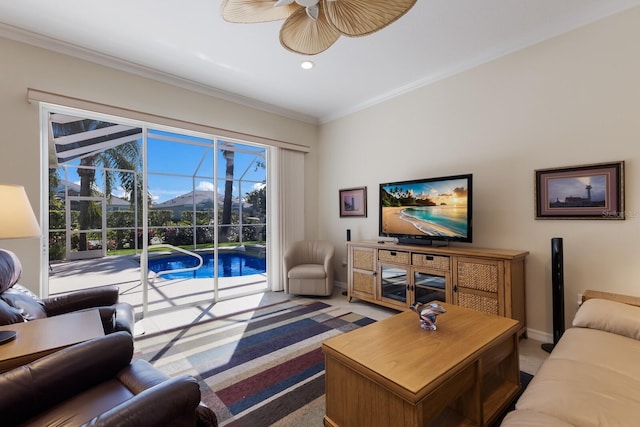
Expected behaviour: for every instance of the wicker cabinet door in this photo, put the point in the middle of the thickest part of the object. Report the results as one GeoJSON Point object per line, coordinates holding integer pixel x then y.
{"type": "Point", "coordinates": [479, 285]}
{"type": "Point", "coordinates": [362, 273]}
{"type": "Point", "coordinates": [364, 258]}
{"type": "Point", "coordinates": [364, 284]}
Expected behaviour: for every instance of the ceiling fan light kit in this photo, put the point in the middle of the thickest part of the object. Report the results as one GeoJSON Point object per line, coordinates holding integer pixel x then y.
{"type": "Point", "coordinates": [312, 26]}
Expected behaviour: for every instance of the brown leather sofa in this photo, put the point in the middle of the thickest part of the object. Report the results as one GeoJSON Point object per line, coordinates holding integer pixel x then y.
{"type": "Point", "coordinates": [18, 304]}
{"type": "Point", "coordinates": [96, 383]}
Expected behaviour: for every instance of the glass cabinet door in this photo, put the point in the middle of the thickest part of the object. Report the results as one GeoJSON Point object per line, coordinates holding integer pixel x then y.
{"type": "Point", "coordinates": [393, 283]}
{"type": "Point", "coordinates": [429, 286]}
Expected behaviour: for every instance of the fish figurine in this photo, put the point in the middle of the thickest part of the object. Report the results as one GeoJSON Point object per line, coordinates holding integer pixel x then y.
{"type": "Point", "coordinates": [428, 314]}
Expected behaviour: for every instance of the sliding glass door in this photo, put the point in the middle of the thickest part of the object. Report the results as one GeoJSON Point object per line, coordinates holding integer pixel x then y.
{"type": "Point", "coordinates": [241, 183]}
{"type": "Point", "coordinates": [173, 218]}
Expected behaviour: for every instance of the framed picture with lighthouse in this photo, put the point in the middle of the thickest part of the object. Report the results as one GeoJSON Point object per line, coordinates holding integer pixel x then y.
{"type": "Point", "coordinates": [353, 202]}
{"type": "Point", "coordinates": [594, 191]}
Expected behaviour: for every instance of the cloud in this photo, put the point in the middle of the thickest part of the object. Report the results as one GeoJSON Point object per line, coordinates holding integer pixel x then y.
{"type": "Point", "coordinates": [205, 186]}
{"type": "Point", "coordinates": [120, 192]}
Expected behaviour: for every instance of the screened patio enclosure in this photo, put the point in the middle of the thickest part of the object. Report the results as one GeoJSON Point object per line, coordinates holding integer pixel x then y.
{"type": "Point", "coordinates": [172, 218]}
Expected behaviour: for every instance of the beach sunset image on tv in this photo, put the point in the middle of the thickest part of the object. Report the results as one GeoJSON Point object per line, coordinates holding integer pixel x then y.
{"type": "Point", "coordinates": [432, 208]}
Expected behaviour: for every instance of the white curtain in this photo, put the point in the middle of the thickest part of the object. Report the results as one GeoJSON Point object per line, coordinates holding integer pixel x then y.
{"type": "Point", "coordinates": [287, 208]}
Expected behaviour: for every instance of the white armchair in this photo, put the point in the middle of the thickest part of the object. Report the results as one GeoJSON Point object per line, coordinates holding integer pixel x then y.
{"type": "Point", "coordinates": [308, 268]}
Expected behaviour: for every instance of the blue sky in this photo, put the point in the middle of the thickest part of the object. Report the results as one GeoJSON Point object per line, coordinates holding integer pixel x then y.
{"type": "Point", "coordinates": [177, 154]}
{"type": "Point", "coordinates": [438, 191]}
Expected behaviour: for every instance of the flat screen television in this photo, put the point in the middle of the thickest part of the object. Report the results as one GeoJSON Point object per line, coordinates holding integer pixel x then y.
{"type": "Point", "coordinates": [424, 211]}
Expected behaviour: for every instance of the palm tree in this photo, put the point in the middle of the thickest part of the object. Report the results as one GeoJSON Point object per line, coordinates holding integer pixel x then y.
{"type": "Point", "coordinates": [120, 164]}
{"type": "Point", "coordinates": [123, 159]}
{"type": "Point", "coordinates": [229, 157]}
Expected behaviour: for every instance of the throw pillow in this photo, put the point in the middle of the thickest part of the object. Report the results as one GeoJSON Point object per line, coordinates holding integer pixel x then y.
{"type": "Point", "coordinates": [10, 269]}
{"type": "Point", "coordinates": [609, 316]}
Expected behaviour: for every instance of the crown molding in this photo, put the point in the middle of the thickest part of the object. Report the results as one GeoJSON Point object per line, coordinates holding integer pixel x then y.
{"type": "Point", "coordinates": [69, 49]}
{"type": "Point", "coordinates": [541, 35]}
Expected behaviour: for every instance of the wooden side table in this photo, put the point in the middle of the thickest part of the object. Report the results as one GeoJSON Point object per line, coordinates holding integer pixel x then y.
{"type": "Point", "coordinates": [38, 338]}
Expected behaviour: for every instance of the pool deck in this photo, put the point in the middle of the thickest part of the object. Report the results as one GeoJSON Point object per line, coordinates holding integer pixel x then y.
{"type": "Point", "coordinates": [124, 272]}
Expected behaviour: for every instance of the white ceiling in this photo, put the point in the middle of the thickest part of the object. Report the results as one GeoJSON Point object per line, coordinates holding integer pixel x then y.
{"type": "Point", "coordinates": [187, 43]}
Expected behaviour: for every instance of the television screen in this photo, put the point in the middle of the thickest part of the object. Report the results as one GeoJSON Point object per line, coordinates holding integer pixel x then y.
{"type": "Point", "coordinates": [426, 210]}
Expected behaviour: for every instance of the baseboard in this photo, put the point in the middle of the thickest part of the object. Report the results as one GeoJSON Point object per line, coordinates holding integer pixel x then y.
{"type": "Point", "coordinates": [539, 335]}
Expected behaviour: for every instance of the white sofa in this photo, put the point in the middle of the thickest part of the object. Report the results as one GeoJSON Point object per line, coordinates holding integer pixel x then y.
{"type": "Point", "coordinates": [592, 376]}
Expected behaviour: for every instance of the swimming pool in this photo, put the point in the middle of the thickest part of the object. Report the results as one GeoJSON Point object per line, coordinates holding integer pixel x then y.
{"type": "Point", "coordinates": [230, 264]}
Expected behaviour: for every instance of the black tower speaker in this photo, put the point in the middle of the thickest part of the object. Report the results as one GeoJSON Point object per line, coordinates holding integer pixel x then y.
{"type": "Point", "coordinates": [557, 292]}
{"type": "Point", "coordinates": [348, 240]}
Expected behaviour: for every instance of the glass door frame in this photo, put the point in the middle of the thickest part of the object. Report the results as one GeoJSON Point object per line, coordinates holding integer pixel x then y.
{"type": "Point", "coordinates": [46, 109]}
{"type": "Point", "coordinates": [144, 255]}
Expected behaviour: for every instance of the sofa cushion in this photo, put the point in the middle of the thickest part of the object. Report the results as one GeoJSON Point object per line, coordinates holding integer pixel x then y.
{"type": "Point", "coordinates": [592, 378]}
{"type": "Point", "coordinates": [84, 406]}
{"type": "Point", "coordinates": [25, 302]}
{"type": "Point", "coordinates": [609, 316]}
{"type": "Point", "coordinates": [307, 271]}
{"type": "Point", "coordinates": [524, 418]}
{"type": "Point", "coordinates": [9, 314]}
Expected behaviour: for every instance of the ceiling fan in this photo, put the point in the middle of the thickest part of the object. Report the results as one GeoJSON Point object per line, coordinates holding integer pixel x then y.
{"type": "Point", "coordinates": [312, 26]}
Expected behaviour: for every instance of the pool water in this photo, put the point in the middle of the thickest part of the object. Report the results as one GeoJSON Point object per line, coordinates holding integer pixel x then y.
{"type": "Point", "coordinates": [229, 265]}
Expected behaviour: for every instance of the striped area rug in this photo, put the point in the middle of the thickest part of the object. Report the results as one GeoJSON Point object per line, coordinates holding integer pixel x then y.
{"type": "Point", "coordinates": [259, 367]}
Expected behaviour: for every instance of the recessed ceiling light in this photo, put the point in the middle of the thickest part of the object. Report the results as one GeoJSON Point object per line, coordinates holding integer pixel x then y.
{"type": "Point", "coordinates": [307, 65]}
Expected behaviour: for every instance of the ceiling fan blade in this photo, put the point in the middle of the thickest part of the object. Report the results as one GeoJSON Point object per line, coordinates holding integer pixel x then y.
{"type": "Point", "coordinates": [301, 34]}
{"type": "Point", "coordinates": [361, 17]}
{"type": "Point", "coordinates": [250, 11]}
{"type": "Point", "coordinates": [313, 11]}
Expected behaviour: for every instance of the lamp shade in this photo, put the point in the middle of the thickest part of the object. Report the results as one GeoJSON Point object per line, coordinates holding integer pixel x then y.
{"type": "Point", "coordinates": [17, 219]}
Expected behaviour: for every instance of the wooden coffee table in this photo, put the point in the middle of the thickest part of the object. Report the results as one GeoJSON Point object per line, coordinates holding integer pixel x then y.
{"type": "Point", "coordinates": [37, 338]}
{"type": "Point", "coordinates": [393, 373]}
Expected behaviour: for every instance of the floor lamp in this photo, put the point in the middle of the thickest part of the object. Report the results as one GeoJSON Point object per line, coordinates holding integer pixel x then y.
{"type": "Point", "coordinates": [17, 221]}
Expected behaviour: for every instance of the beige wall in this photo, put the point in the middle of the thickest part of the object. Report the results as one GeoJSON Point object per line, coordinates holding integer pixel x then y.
{"type": "Point", "coordinates": [569, 101]}
{"type": "Point", "coordinates": [25, 67]}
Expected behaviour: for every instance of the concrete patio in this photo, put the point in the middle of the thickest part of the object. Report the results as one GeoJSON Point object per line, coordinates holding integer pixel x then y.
{"type": "Point", "coordinates": [163, 295]}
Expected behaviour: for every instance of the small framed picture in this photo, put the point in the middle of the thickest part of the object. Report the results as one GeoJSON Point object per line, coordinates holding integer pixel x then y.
{"type": "Point", "coordinates": [593, 191]}
{"type": "Point", "coordinates": [353, 202]}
